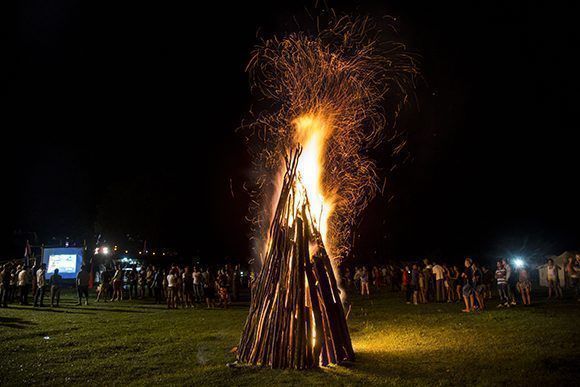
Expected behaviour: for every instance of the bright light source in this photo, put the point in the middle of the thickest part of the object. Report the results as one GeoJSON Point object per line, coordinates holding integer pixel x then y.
{"type": "Point", "coordinates": [518, 262]}
{"type": "Point", "coordinates": [97, 250]}
{"type": "Point", "coordinates": [105, 250]}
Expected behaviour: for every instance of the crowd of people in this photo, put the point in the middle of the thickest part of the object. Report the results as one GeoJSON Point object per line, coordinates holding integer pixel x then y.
{"type": "Point", "coordinates": [471, 285]}
{"type": "Point", "coordinates": [175, 286]}
{"type": "Point", "coordinates": [182, 286]}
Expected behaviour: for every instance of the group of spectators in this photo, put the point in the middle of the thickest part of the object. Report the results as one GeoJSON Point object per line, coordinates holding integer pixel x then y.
{"type": "Point", "coordinates": [470, 285]}
{"type": "Point", "coordinates": [18, 282]}
{"type": "Point", "coordinates": [183, 286]}
{"type": "Point", "coordinates": [176, 285]}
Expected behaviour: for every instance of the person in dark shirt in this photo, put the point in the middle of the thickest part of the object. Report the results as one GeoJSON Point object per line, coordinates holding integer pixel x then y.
{"type": "Point", "coordinates": [55, 287]}
{"type": "Point", "coordinates": [83, 285]}
{"type": "Point", "coordinates": [468, 286]}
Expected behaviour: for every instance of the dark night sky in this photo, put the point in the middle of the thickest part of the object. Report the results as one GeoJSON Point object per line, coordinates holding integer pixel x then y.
{"type": "Point", "coordinates": [125, 116]}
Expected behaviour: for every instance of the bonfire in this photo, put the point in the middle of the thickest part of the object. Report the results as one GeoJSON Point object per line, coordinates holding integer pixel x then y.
{"type": "Point", "coordinates": [328, 91]}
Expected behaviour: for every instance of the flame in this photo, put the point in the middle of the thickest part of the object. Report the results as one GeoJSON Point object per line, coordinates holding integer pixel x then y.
{"type": "Point", "coordinates": [312, 132]}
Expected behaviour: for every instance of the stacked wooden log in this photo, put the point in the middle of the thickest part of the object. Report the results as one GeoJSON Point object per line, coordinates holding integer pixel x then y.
{"type": "Point", "coordinates": [296, 318]}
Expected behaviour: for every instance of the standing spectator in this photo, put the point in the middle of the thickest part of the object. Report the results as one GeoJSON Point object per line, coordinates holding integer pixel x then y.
{"type": "Point", "coordinates": [208, 288]}
{"type": "Point", "coordinates": [501, 278]}
{"type": "Point", "coordinates": [117, 284]}
{"type": "Point", "coordinates": [82, 283]}
{"type": "Point", "coordinates": [40, 283]}
{"type": "Point", "coordinates": [197, 285]}
{"type": "Point", "coordinates": [364, 282]}
{"type": "Point", "coordinates": [172, 289]}
{"type": "Point", "coordinates": [158, 285]}
{"type": "Point", "coordinates": [150, 279]}
{"type": "Point", "coordinates": [23, 285]}
{"type": "Point", "coordinates": [188, 292]}
{"type": "Point", "coordinates": [553, 279]}
{"type": "Point", "coordinates": [33, 278]}
{"type": "Point", "coordinates": [132, 278]}
{"type": "Point", "coordinates": [511, 282]}
{"type": "Point", "coordinates": [478, 286]}
{"type": "Point", "coordinates": [467, 289]}
{"type": "Point", "coordinates": [428, 272]}
{"type": "Point", "coordinates": [376, 277]}
{"type": "Point", "coordinates": [104, 286]}
{"type": "Point", "coordinates": [487, 281]}
{"type": "Point", "coordinates": [456, 278]}
{"type": "Point", "coordinates": [573, 270]}
{"type": "Point", "coordinates": [222, 286]}
{"type": "Point", "coordinates": [142, 282]}
{"type": "Point", "coordinates": [55, 283]}
{"type": "Point", "coordinates": [422, 291]}
{"type": "Point", "coordinates": [406, 284]}
{"type": "Point", "coordinates": [414, 282]}
{"type": "Point", "coordinates": [439, 274]}
{"type": "Point", "coordinates": [4, 285]}
{"type": "Point", "coordinates": [524, 286]}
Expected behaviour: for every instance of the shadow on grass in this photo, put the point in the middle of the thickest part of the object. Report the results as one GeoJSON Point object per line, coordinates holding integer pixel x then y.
{"type": "Point", "coordinates": [118, 310]}
{"type": "Point", "coordinates": [15, 322]}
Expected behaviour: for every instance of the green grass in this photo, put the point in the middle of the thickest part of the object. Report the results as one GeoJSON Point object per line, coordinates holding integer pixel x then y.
{"type": "Point", "coordinates": [396, 344]}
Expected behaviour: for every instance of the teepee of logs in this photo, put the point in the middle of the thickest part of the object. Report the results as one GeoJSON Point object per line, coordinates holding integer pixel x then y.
{"type": "Point", "coordinates": [296, 317]}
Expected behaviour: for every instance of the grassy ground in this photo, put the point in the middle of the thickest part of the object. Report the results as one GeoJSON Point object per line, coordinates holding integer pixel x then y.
{"type": "Point", "coordinates": [397, 344]}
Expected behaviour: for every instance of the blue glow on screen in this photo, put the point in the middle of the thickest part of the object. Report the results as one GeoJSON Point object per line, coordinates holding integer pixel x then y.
{"type": "Point", "coordinates": [68, 260]}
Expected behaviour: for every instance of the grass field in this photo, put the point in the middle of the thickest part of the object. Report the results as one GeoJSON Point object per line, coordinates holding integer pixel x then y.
{"type": "Point", "coordinates": [396, 344]}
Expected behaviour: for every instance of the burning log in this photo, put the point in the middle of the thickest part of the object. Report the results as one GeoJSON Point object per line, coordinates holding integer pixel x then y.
{"type": "Point", "coordinates": [296, 317]}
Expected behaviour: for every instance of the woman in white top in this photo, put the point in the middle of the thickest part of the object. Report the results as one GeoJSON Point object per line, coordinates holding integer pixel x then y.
{"type": "Point", "coordinates": [171, 290]}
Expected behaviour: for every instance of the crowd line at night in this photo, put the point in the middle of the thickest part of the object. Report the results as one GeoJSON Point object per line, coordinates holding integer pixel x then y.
{"type": "Point", "coordinates": [184, 286]}
{"type": "Point", "coordinates": [473, 285]}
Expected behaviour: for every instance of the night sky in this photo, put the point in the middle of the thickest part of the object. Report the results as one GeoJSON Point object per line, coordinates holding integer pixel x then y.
{"type": "Point", "coordinates": [122, 119]}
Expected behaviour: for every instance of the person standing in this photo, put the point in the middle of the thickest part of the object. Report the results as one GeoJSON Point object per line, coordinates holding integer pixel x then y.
{"type": "Point", "coordinates": [142, 282]}
{"type": "Point", "coordinates": [34, 287]}
{"type": "Point", "coordinates": [439, 274]}
{"type": "Point", "coordinates": [150, 277]}
{"type": "Point", "coordinates": [103, 289]}
{"type": "Point", "coordinates": [132, 280]}
{"type": "Point", "coordinates": [573, 270]}
{"type": "Point", "coordinates": [172, 289]}
{"type": "Point", "coordinates": [23, 285]}
{"type": "Point", "coordinates": [188, 293]}
{"type": "Point", "coordinates": [158, 285]}
{"type": "Point", "coordinates": [415, 282]}
{"type": "Point", "coordinates": [41, 284]}
{"type": "Point", "coordinates": [364, 282]}
{"type": "Point", "coordinates": [117, 284]}
{"type": "Point", "coordinates": [511, 282]}
{"type": "Point", "coordinates": [197, 285]}
{"type": "Point", "coordinates": [83, 285]}
{"type": "Point", "coordinates": [4, 285]}
{"type": "Point", "coordinates": [468, 286]}
{"type": "Point", "coordinates": [553, 279]}
{"type": "Point", "coordinates": [524, 286]}
{"type": "Point", "coordinates": [501, 278]}
{"type": "Point", "coordinates": [55, 287]}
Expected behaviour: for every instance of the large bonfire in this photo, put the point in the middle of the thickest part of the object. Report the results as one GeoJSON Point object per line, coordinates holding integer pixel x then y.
{"type": "Point", "coordinates": [327, 92]}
